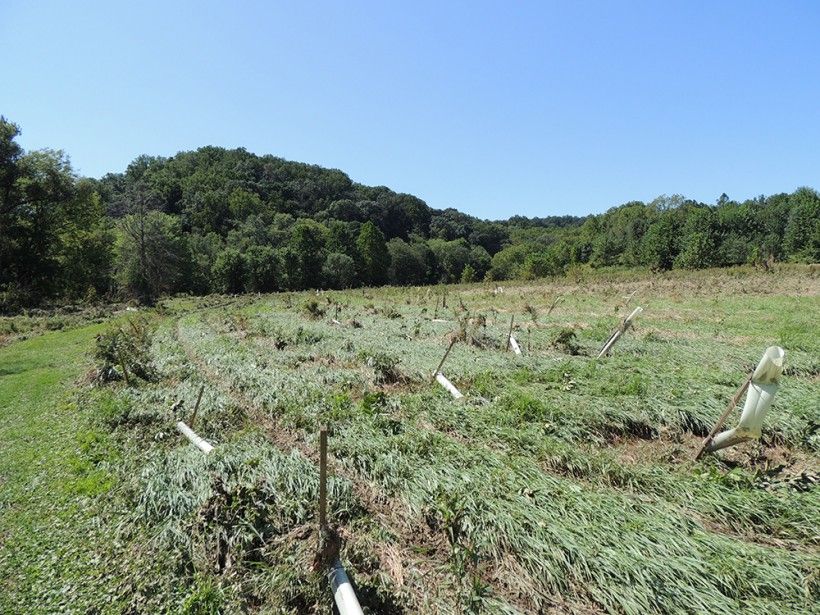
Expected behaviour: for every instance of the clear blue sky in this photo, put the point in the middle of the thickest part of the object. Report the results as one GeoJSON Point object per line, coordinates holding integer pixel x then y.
{"type": "Point", "coordinates": [495, 108]}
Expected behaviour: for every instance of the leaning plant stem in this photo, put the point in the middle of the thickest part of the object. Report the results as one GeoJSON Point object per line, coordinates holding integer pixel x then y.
{"type": "Point", "coordinates": [124, 370]}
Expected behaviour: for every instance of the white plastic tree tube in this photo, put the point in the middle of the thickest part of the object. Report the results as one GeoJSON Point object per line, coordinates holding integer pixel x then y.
{"type": "Point", "coordinates": [189, 433]}
{"type": "Point", "coordinates": [343, 593]}
{"type": "Point", "coordinates": [442, 380]}
{"type": "Point", "coordinates": [759, 398]}
{"type": "Point", "coordinates": [620, 331]}
{"type": "Point", "coordinates": [514, 345]}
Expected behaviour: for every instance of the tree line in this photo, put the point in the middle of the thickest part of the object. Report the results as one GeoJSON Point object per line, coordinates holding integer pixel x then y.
{"type": "Point", "coordinates": [229, 221]}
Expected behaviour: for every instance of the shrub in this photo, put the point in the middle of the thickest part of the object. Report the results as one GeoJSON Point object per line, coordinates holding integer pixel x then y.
{"type": "Point", "coordinates": [117, 348]}
{"type": "Point", "coordinates": [313, 310]}
{"type": "Point", "coordinates": [566, 342]}
{"type": "Point", "coordinates": [384, 365]}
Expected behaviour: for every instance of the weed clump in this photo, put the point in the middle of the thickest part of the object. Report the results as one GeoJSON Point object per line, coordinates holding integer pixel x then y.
{"type": "Point", "coordinates": [385, 366]}
{"type": "Point", "coordinates": [532, 311]}
{"type": "Point", "coordinates": [313, 310]}
{"type": "Point", "coordinates": [566, 342]}
{"type": "Point", "coordinates": [282, 339]}
{"type": "Point", "coordinates": [391, 312]}
{"type": "Point", "coordinates": [127, 351]}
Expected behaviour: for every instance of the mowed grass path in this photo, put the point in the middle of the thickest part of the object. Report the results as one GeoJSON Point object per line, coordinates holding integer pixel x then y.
{"type": "Point", "coordinates": [47, 536]}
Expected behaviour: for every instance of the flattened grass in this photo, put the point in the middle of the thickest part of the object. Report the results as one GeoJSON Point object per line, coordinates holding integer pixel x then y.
{"type": "Point", "coordinates": [519, 479]}
{"type": "Point", "coordinates": [529, 495]}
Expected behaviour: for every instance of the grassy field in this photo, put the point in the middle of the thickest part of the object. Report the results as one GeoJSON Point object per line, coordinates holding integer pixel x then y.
{"type": "Point", "coordinates": [560, 483]}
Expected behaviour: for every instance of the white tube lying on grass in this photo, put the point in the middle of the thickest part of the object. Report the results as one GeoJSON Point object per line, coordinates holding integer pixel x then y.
{"type": "Point", "coordinates": [442, 380]}
{"type": "Point", "coordinates": [619, 331]}
{"type": "Point", "coordinates": [343, 593]}
{"type": "Point", "coordinates": [514, 345]}
{"type": "Point", "coordinates": [189, 433]}
{"type": "Point", "coordinates": [759, 397]}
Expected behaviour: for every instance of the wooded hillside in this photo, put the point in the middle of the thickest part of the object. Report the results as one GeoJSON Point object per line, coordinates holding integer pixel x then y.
{"type": "Point", "coordinates": [218, 220]}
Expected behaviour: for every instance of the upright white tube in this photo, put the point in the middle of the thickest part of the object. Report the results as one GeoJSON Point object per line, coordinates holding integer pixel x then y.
{"type": "Point", "coordinates": [759, 398]}
{"type": "Point", "coordinates": [514, 345]}
{"type": "Point", "coordinates": [442, 380]}
{"type": "Point", "coordinates": [343, 593]}
{"type": "Point", "coordinates": [189, 433]}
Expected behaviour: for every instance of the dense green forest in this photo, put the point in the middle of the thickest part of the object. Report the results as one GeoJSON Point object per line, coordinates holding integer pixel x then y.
{"type": "Point", "coordinates": [218, 220]}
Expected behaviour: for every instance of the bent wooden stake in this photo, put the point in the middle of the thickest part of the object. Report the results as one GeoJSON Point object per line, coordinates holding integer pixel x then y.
{"type": "Point", "coordinates": [189, 433]}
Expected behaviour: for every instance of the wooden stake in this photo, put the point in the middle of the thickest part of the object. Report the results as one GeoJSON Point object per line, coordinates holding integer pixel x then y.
{"type": "Point", "coordinates": [554, 303]}
{"type": "Point", "coordinates": [196, 406]}
{"type": "Point", "coordinates": [322, 479]}
{"type": "Point", "coordinates": [629, 298]}
{"type": "Point", "coordinates": [731, 406]}
{"type": "Point", "coordinates": [509, 333]}
{"type": "Point", "coordinates": [444, 358]}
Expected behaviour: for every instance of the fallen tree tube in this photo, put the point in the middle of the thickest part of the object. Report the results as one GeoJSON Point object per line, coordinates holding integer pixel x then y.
{"type": "Point", "coordinates": [442, 380]}
{"type": "Point", "coordinates": [759, 397]}
{"type": "Point", "coordinates": [343, 593]}
{"type": "Point", "coordinates": [514, 345]}
{"type": "Point", "coordinates": [616, 335]}
{"type": "Point", "coordinates": [189, 433]}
